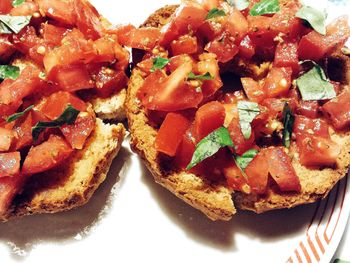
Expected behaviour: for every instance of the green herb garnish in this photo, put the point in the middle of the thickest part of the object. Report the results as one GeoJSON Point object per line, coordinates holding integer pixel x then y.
{"type": "Point", "coordinates": [316, 18]}
{"type": "Point", "coordinates": [247, 111]}
{"type": "Point", "coordinates": [17, 115]}
{"type": "Point", "coordinates": [13, 24]}
{"type": "Point", "coordinates": [205, 76]}
{"type": "Point", "coordinates": [210, 145]}
{"type": "Point", "coordinates": [265, 7]}
{"type": "Point", "coordinates": [68, 116]}
{"type": "Point", "coordinates": [288, 122]}
{"type": "Point", "coordinates": [159, 63]}
{"type": "Point", "coordinates": [314, 85]}
{"type": "Point", "coordinates": [9, 72]}
{"type": "Point", "coordinates": [215, 12]}
{"type": "Point", "coordinates": [17, 2]}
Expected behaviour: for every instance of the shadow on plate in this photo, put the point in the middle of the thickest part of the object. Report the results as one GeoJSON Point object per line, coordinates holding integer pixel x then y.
{"type": "Point", "coordinates": [21, 235]}
{"type": "Point", "coordinates": [269, 226]}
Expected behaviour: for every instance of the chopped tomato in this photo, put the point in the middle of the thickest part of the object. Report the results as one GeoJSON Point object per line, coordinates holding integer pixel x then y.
{"type": "Point", "coordinates": [185, 150]}
{"type": "Point", "coordinates": [237, 24]}
{"type": "Point", "coordinates": [171, 133]}
{"type": "Point", "coordinates": [184, 45]}
{"type": "Point", "coordinates": [47, 155]}
{"type": "Point", "coordinates": [234, 177]}
{"type": "Point", "coordinates": [61, 11]}
{"type": "Point", "coordinates": [316, 127]}
{"type": "Point", "coordinates": [338, 110]}
{"type": "Point", "coordinates": [253, 89]}
{"type": "Point", "coordinates": [144, 38]}
{"type": "Point", "coordinates": [123, 33]}
{"type": "Point", "coordinates": [25, 9]}
{"type": "Point", "coordinates": [258, 173]}
{"type": "Point", "coordinates": [278, 82]}
{"type": "Point", "coordinates": [210, 30]}
{"type": "Point", "coordinates": [9, 186]}
{"type": "Point", "coordinates": [77, 133]}
{"type": "Point", "coordinates": [6, 139]}
{"type": "Point", "coordinates": [53, 34]}
{"type": "Point", "coordinates": [224, 47]}
{"type": "Point", "coordinates": [287, 56]}
{"type": "Point", "coordinates": [185, 15]}
{"type": "Point", "coordinates": [9, 164]}
{"type": "Point", "coordinates": [210, 4]}
{"type": "Point", "coordinates": [23, 131]}
{"type": "Point", "coordinates": [309, 109]}
{"type": "Point", "coordinates": [54, 105]}
{"type": "Point", "coordinates": [177, 61]}
{"type": "Point", "coordinates": [147, 64]}
{"type": "Point", "coordinates": [6, 48]}
{"type": "Point", "coordinates": [104, 48]}
{"type": "Point", "coordinates": [170, 93]}
{"type": "Point", "coordinates": [5, 6]}
{"type": "Point", "coordinates": [241, 145]}
{"type": "Point", "coordinates": [26, 39]}
{"type": "Point", "coordinates": [209, 117]}
{"type": "Point", "coordinates": [110, 82]}
{"type": "Point", "coordinates": [72, 78]}
{"type": "Point", "coordinates": [246, 48]}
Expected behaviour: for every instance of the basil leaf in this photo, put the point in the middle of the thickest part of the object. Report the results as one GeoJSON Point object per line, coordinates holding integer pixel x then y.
{"type": "Point", "coordinates": [18, 115]}
{"type": "Point", "coordinates": [17, 2]}
{"type": "Point", "coordinates": [316, 18]}
{"type": "Point", "coordinates": [215, 12]}
{"type": "Point", "coordinates": [210, 145]}
{"type": "Point", "coordinates": [13, 24]}
{"type": "Point", "coordinates": [159, 63]}
{"type": "Point", "coordinates": [244, 160]}
{"type": "Point", "coordinates": [239, 4]}
{"type": "Point", "coordinates": [288, 122]}
{"type": "Point", "coordinates": [247, 111]}
{"type": "Point", "coordinates": [314, 85]}
{"type": "Point", "coordinates": [205, 76]}
{"type": "Point", "coordinates": [9, 72]}
{"type": "Point", "coordinates": [68, 116]}
{"type": "Point", "coordinates": [265, 7]}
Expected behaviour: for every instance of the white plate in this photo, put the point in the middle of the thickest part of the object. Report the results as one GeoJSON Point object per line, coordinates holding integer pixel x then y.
{"type": "Point", "coordinates": [131, 219]}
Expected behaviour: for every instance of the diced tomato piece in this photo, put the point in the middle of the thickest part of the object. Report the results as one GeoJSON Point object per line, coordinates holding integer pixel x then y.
{"type": "Point", "coordinates": [209, 117]}
{"type": "Point", "coordinates": [258, 173]}
{"type": "Point", "coordinates": [253, 89]}
{"type": "Point", "coordinates": [170, 93]}
{"type": "Point", "coordinates": [26, 39]}
{"type": "Point", "coordinates": [6, 48]}
{"type": "Point", "coordinates": [237, 24]}
{"type": "Point", "coordinates": [146, 65]}
{"type": "Point", "coordinates": [53, 34]}
{"type": "Point", "coordinates": [184, 45]}
{"type": "Point", "coordinates": [185, 15]}
{"type": "Point", "coordinates": [338, 110]}
{"type": "Point", "coordinates": [209, 4]}
{"type": "Point", "coordinates": [25, 9]}
{"type": "Point", "coordinates": [109, 82]}
{"type": "Point", "coordinates": [77, 133]}
{"type": "Point", "coordinates": [337, 33]}
{"type": "Point", "coordinates": [6, 139]}
{"type": "Point", "coordinates": [72, 78]}
{"type": "Point", "coordinates": [61, 11]}
{"type": "Point", "coordinates": [47, 155]}
{"type": "Point", "coordinates": [9, 186]}
{"type": "Point", "coordinates": [145, 38]}
{"type": "Point", "coordinates": [316, 127]}
{"type": "Point", "coordinates": [278, 82]}
{"type": "Point", "coordinates": [312, 47]}
{"type": "Point", "coordinates": [241, 145]}
{"type": "Point", "coordinates": [23, 131]}
{"type": "Point", "coordinates": [309, 109]}
{"type": "Point", "coordinates": [171, 133]}
{"type": "Point", "coordinates": [246, 48]}
{"type": "Point", "coordinates": [210, 30]}
{"type": "Point", "coordinates": [177, 61]}
{"type": "Point", "coordinates": [54, 105]}
{"type": "Point", "coordinates": [287, 56]}
{"type": "Point", "coordinates": [104, 48]}
{"type": "Point", "coordinates": [9, 164]}
{"type": "Point", "coordinates": [224, 47]}
{"type": "Point", "coordinates": [234, 177]}
{"type": "Point", "coordinates": [123, 33]}
{"type": "Point", "coordinates": [185, 150]}
{"type": "Point", "coordinates": [5, 6]}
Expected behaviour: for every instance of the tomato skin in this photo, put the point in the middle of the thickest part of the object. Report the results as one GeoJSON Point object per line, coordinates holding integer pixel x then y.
{"type": "Point", "coordinates": [253, 90]}
{"type": "Point", "coordinates": [237, 24]}
{"type": "Point", "coordinates": [338, 110]}
{"type": "Point", "coordinates": [209, 117]}
{"type": "Point", "coordinates": [54, 105]}
{"type": "Point", "coordinates": [241, 144]}
{"type": "Point", "coordinates": [309, 109]}
{"type": "Point", "coordinates": [278, 82]}
{"type": "Point", "coordinates": [257, 172]}
{"type": "Point", "coordinates": [76, 134]}
{"type": "Point", "coordinates": [184, 45]}
{"type": "Point", "coordinates": [312, 47]}
{"type": "Point", "coordinates": [9, 164]}
{"type": "Point", "coordinates": [209, 30]}
{"type": "Point", "coordinates": [224, 47]}
{"type": "Point", "coordinates": [145, 38]}
{"type": "Point", "coordinates": [23, 131]}
{"type": "Point", "coordinates": [185, 150]}
{"type": "Point", "coordinates": [5, 7]}
{"type": "Point", "coordinates": [53, 34]}
{"type": "Point", "coordinates": [287, 56]}
{"type": "Point", "coordinates": [61, 11]}
{"type": "Point", "coordinates": [110, 82]}
{"type": "Point", "coordinates": [6, 139]}
{"type": "Point", "coordinates": [246, 48]}
{"type": "Point", "coordinates": [171, 133]}
{"type": "Point", "coordinates": [72, 78]}
{"type": "Point", "coordinates": [47, 155]}
{"type": "Point", "coordinates": [177, 61]}
{"type": "Point", "coordinates": [25, 9]}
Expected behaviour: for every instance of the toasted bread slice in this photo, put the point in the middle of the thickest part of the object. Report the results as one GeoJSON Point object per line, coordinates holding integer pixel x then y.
{"type": "Point", "coordinates": [215, 200]}
{"type": "Point", "coordinates": [73, 183]}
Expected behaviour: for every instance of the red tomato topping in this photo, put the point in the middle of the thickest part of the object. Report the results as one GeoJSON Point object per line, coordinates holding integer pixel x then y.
{"type": "Point", "coordinates": [9, 164]}
{"type": "Point", "coordinates": [253, 89]}
{"type": "Point", "coordinates": [144, 38]}
{"type": "Point", "coordinates": [109, 82]}
{"type": "Point", "coordinates": [10, 186]}
{"type": "Point", "coordinates": [5, 6]}
{"type": "Point", "coordinates": [171, 133]}
{"type": "Point", "coordinates": [25, 9]}
{"type": "Point", "coordinates": [237, 24]}
{"type": "Point", "coordinates": [278, 82]}
{"type": "Point", "coordinates": [6, 139]}
{"type": "Point", "coordinates": [287, 56]}
{"type": "Point", "coordinates": [184, 45]}
{"type": "Point", "coordinates": [224, 47]}
{"type": "Point", "coordinates": [61, 11]}
{"type": "Point", "coordinates": [47, 155]}
{"type": "Point", "coordinates": [246, 48]}
{"type": "Point", "coordinates": [185, 150]}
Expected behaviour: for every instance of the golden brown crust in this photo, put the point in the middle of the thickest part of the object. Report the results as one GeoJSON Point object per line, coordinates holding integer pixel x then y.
{"type": "Point", "coordinates": [72, 184]}
{"type": "Point", "coordinates": [215, 201]}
